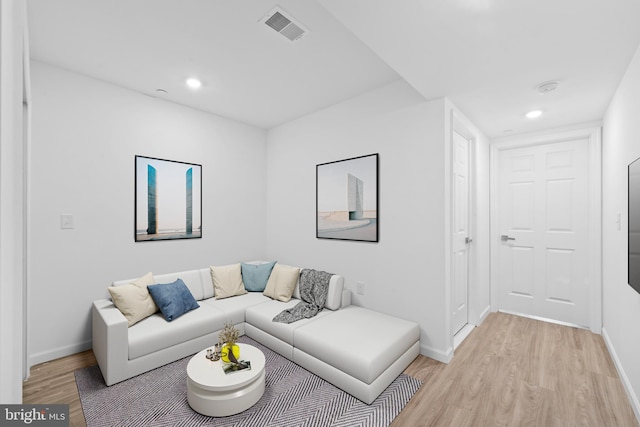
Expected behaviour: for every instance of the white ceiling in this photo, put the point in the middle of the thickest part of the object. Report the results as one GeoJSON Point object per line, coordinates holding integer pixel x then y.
{"type": "Point", "coordinates": [487, 56]}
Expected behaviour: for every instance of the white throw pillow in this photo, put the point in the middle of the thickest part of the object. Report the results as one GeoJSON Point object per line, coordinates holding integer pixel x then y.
{"type": "Point", "coordinates": [227, 281]}
{"type": "Point", "coordinates": [282, 282]}
{"type": "Point", "coordinates": [134, 300]}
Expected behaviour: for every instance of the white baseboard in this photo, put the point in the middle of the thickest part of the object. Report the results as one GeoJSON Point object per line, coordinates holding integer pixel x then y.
{"type": "Point", "coordinates": [440, 356]}
{"type": "Point", "coordinates": [484, 314]}
{"type": "Point", "coordinates": [462, 335]}
{"type": "Point", "coordinates": [633, 398]}
{"type": "Point", "coordinates": [56, 353]}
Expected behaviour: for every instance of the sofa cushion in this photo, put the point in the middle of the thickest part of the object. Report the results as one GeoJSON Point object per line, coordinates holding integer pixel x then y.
{"type": "Point", "coordinates": [133, 299]}
{"type": "Point", "coordinates": [334, 296]}
{"type": "Point", "coordinates": [261, 316]}
{"type": "Point", "coordinates": [173, 299]}
{"type": "Point", "coordinates": [207, 283]}
{"type": "Point", "coordinates": [154, 333]}
{"type": "Point", "coordinates": [227, 281]}
{"type": "Point", "coordinates": [234, 308]}
{"type": "Point", "coordinates": [282, 282]}
{"type": "Point", "coordinates": [255, 276]}
{"type": "Point", "coordinates": [369, 345]}
{"type": "Point", "coordinates": [191, 278]}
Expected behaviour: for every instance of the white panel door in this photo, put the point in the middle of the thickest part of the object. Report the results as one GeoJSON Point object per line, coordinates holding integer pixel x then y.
{"type": "Point", "coordinates": [461, 235]}
{"type": "Point", "coordinates": [544, 226]}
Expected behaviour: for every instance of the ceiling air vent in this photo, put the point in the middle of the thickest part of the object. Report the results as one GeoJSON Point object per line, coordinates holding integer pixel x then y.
{"type": "Point", "coordinates": [278, 20]}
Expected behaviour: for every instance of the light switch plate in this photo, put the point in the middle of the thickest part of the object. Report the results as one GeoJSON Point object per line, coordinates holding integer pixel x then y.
{"type": "Point", "coordinates": [66, 222]}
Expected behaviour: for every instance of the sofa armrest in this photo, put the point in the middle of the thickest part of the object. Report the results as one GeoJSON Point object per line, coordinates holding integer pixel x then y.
{"type": "Point", "coordinates": [110, 340]}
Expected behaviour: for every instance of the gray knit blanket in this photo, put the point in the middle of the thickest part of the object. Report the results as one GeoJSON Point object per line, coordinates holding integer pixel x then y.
{"type": "Point", "coordinates": [314, 287]}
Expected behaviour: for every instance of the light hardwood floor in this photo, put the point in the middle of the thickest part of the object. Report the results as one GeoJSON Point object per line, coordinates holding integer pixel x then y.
{"type": "Point", "coordinates": [54, 382]}
{"type": "Point", "coordinates": [511, 371]}
{"type": "Point", "coordinates": [514, 371]}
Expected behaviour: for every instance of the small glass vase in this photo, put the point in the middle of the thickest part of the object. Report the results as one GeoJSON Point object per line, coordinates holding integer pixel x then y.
{"type": "Point", "coordinates": [235, 351]}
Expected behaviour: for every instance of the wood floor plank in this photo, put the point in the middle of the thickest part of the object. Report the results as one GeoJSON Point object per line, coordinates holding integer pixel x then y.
{"type": "Point", "coordinates": [611, 398]}
{"type": "Point", "coordinates": [424, 368]}
{"type": "Point", "coordinates": [426, 406]}
{"type": "Point", "coordinates": [534, 407]}
{"type": "Point", "coordinates": [54, 382]}
{"type": "Point", "coordinates": [510, 371]}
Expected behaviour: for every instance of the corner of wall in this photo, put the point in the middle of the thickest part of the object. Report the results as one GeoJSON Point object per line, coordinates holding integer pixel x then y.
{"type": "Point", "coordinates": [633, 398]}
{"type": "Point", "coordinates": [58, 352]}
{"type": "Point", "coordinates": [439, 355]}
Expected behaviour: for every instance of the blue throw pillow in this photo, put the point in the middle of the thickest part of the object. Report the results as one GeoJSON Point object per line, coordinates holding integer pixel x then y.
{"type": "Point", "coordinates": [255, 277]}
{"type": "Point", "coordinates": [173, 299]}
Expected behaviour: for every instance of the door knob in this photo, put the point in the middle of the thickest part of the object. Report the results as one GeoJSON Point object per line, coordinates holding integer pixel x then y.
{"type": "Point", "coordinates": [467, 240]}
{"type": "Point", "coordinates": [505, 238]}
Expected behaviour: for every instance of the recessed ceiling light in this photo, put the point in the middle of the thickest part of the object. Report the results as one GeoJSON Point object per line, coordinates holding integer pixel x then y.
{"type": "Point", "coordinates": [534, 114]}
{"type": "Point", "coordinates": [194, 83]}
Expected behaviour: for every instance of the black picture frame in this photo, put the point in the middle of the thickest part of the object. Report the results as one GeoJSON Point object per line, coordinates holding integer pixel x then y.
{"type": "Point", "coordinates": [347, 199]}
{"type": "Point", "coordinates": [633, 243]}
{"type": "Point", "coordinates": [168, 200]}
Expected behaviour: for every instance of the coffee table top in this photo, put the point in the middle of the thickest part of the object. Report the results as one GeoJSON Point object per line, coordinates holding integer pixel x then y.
{"type": "Point", "coordinates": [210, 376]}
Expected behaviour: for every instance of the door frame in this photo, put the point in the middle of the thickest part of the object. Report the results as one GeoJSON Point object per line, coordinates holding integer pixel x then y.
{"type": "Point", "coordinates": [473, 316]}
{"type": "Point", "coordinates": [593, 134]}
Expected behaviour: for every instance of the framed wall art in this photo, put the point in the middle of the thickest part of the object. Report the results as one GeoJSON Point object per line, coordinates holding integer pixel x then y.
{"type": "Point", "coordinates": [347, 199]}
{"type": "Point", "coordinates": [168, 199]}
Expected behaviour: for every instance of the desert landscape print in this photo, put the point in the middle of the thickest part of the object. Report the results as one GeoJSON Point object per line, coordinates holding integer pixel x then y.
{"type": "Point", "coordinates": [347, 199]}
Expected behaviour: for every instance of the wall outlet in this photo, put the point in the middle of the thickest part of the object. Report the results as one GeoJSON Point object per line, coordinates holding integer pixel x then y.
{"type": "Point", "coordinates": [360, 288]}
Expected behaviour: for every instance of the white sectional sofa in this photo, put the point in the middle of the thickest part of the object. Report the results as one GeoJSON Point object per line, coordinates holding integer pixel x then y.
{"type": "Point", "coordinates": [356, 349]}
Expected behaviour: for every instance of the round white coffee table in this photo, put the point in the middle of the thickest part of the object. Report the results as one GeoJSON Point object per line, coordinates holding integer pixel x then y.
{"type": "Point", "coordinates": [212, 392]}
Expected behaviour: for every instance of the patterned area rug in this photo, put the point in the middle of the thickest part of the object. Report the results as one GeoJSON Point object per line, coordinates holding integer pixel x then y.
{"type": "Point", "coordinates": [293, 397]}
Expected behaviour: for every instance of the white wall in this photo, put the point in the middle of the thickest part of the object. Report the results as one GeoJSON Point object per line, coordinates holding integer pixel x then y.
{"type": "Point", "coordinates": [404, 273]}
{"type": "Point", "coordinates": [85, 136]}
{"type": "Point", "coordinates": [621, 304]}
{"type": "Point", "coordinates": [12, 200]}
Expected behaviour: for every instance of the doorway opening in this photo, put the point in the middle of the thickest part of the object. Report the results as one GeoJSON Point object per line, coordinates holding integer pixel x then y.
{"type": "Point", "coordinates": [545, 235]}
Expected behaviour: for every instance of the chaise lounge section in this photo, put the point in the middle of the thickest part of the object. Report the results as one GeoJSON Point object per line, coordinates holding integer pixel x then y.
{"type": "Point", "coordinates": [358, 350]}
